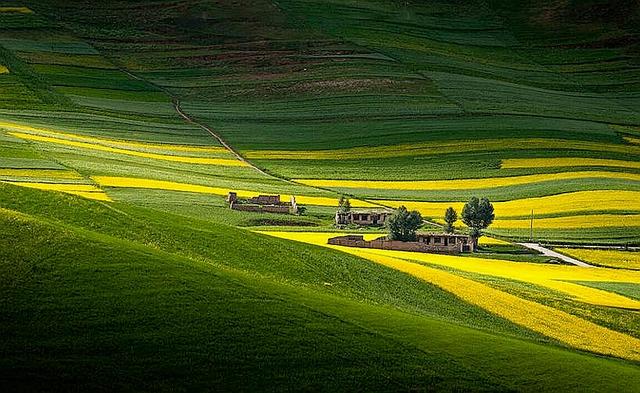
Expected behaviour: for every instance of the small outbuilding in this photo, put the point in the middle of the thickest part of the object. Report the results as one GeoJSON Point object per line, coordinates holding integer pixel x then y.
{"type": "Point", "coordinates": [362, 218]}
{"type": "Point", "coordinates": [262, 204]}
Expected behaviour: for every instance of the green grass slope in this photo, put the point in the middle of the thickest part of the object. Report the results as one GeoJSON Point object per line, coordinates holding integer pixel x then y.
{"type": "Point", "coordinates": [83, 308]}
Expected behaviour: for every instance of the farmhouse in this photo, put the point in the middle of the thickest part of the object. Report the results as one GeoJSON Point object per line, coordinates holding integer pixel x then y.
{"type": "Point", "coordinates": [362, 218]}
{"type": "Point", "coordinates": [263, 204]}
{"type": "Point", "coordinates": [428, 242]}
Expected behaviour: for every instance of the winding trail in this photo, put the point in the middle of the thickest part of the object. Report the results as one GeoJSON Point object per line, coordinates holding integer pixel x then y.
{"type": "Point", "coordinates": [189, 119]}
{"type": "Point", "coordinates": [554, 254]}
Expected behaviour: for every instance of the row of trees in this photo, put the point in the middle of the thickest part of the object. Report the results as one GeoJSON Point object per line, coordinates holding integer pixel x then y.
{"type": "Point", "coordinates": [477, 214]}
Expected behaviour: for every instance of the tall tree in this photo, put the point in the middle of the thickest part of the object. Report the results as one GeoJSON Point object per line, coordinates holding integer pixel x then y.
{"type": "Point", "coordinates": [450, 218]}
{"type": "Point", "coordinates": [344, 205]}
{"type": "Point", "coordinates": [403, 224]}
{"type": "Point", "coordinates": [477, 214]}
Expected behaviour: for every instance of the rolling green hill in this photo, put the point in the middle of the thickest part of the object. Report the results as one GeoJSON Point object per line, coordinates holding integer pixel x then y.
{"type": "Point", "coordinates": [111, 297]}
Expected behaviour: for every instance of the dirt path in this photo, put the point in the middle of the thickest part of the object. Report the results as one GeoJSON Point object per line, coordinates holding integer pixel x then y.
{"type": "Point", "coordinates": [189, 119]}
{"type": "Point", "coordinates": [553, 254]}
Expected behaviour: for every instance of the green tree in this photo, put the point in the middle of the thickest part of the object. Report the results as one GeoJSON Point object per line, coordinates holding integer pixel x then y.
{"type": "Point", "coordinates": [344, 205]}
{"type": "Point", "coordinates": [450, 218]}
{"type": "Point", "coordinates": [477, 214]}
{"type": "Point", "coordinates": [403, 224]}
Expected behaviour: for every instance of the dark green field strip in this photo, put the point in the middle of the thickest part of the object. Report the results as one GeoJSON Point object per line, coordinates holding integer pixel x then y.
{"type": "Point", "coordinates": [134, 128]}
{"type": "Point", "coordinates": [252, 130]}
{"type": "Point", "coordinates": [596, 236]}
{"type": "Point", "coordinates": [18, 21]}
{"type": "Point", "coordinates": [496, 194]}
{"type": "Point", "coordinates": [55, 46]}
{"type": "Point", "coordinates": [116, 105]}
{"type": "Point", "coordinates": [65, 59]}
{"type": "Point", "coordinates": [626, 289]}
{"type": "Point", "coordinates": [331, 107]}
{"type": "Point", "coordinates": [13, 161]}
{"type": "Point", "coordinates": [84, 77]}
{"type": "Point", "coordinates": [124, 95]}
{"type": "Point", "coordinates": [483, 95]}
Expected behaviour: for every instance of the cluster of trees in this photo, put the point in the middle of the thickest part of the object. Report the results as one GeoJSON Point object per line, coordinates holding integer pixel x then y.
{"type": "Point", "coordinates": [477, 214]}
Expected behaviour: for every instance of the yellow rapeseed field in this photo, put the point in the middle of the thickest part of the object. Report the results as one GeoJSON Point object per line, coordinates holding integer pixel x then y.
{"type": "Point", "coordinates": [557, 277]}
{"type": "Point", "coordinates": [468, 183]}
{"type": "Point", "coordinates": [546, 320]}
{"type": "Point", "coordinates": [491, 241]}
{"type": "Point", "coordinates": [129, 145]}
{"type": "Point", "coordinates": [432, 148]}
{"type": "Point", "coordinates": [513, 163]}
{"type": "Point", "coordinates": [84, 190]}
{"type": "Point", "coordinates": [128, 182]}
{"type": "Point", "coordinates": [632, 140]}
{"type": "Point", "coordinates": [41, 173]}
{"type": "Point", "coordinates": [580, 201]}
{"type": "Point", "coordinates": [18, 10]}
{"type": "Point", "coordinates": [3, 69]}
{"type": "Point", "coordinates": [612, 258]}
{"type": "Point", "coordinates": [107, 149]}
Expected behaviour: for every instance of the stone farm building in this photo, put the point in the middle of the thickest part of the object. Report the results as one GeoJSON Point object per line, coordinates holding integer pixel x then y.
{"type": "Point", "coordinates": [263, 204]}
{"type": "Point", "coordinates": [362, 218]}
{"type": "Point", "coordinates": [429, 242]}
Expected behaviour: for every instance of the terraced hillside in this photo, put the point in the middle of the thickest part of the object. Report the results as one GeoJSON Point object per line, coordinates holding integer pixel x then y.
{"type": "Point", "coordinates": [124, 124]}
{"type": "Point", "coordinates": [332, 93]}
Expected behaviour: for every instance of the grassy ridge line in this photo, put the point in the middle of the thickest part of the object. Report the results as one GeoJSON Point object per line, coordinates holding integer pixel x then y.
{"type": "Point", "coordinates": [421, 345]}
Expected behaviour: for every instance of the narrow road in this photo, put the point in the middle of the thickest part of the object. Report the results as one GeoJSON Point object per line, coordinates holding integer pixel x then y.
{"type": "Point", "coordinates": [553, 254]}
{"type": "Point", "coordinates": [189, 119]}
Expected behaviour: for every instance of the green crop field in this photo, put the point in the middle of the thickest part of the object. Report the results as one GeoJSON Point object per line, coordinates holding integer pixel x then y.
{"type": "Point", "coordinates": [124, 124]}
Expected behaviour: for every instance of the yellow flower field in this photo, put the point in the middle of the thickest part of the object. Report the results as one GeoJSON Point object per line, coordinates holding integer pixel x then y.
{"type": "Point", "coordinates": [581, 201]}
{"type": "Point", "coordinates": [129, 145]}
{"type": "Point", "coordinates": [18, 10]}
{"type": "Point", "coordinates": [514, 163]}
{"type": "Point", "coordinates": [555, 277]}
{"type": "Point", "coordinates": [567, 328]}
{"type": "Point", "coordinates": [468, 183]}
{"type": "Point", "coordinates": [491, 241]}
{"type": "Point", "coordinates": [432, 148]}
{"type": "Point", "coordinates": [612, 258]}
{"type": "Point", "coordinates": [84, 190]}
{"type": "Point", "coordinates": [43, 173]}
{"type": "Point", "coordinates": [632, 140]}
{"type": "Point", "coordinates": [129, 182]}
{"type": "Point", "coordinates": [3, 69]}
{"type": "Point", "coordinates": [107, 149]}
